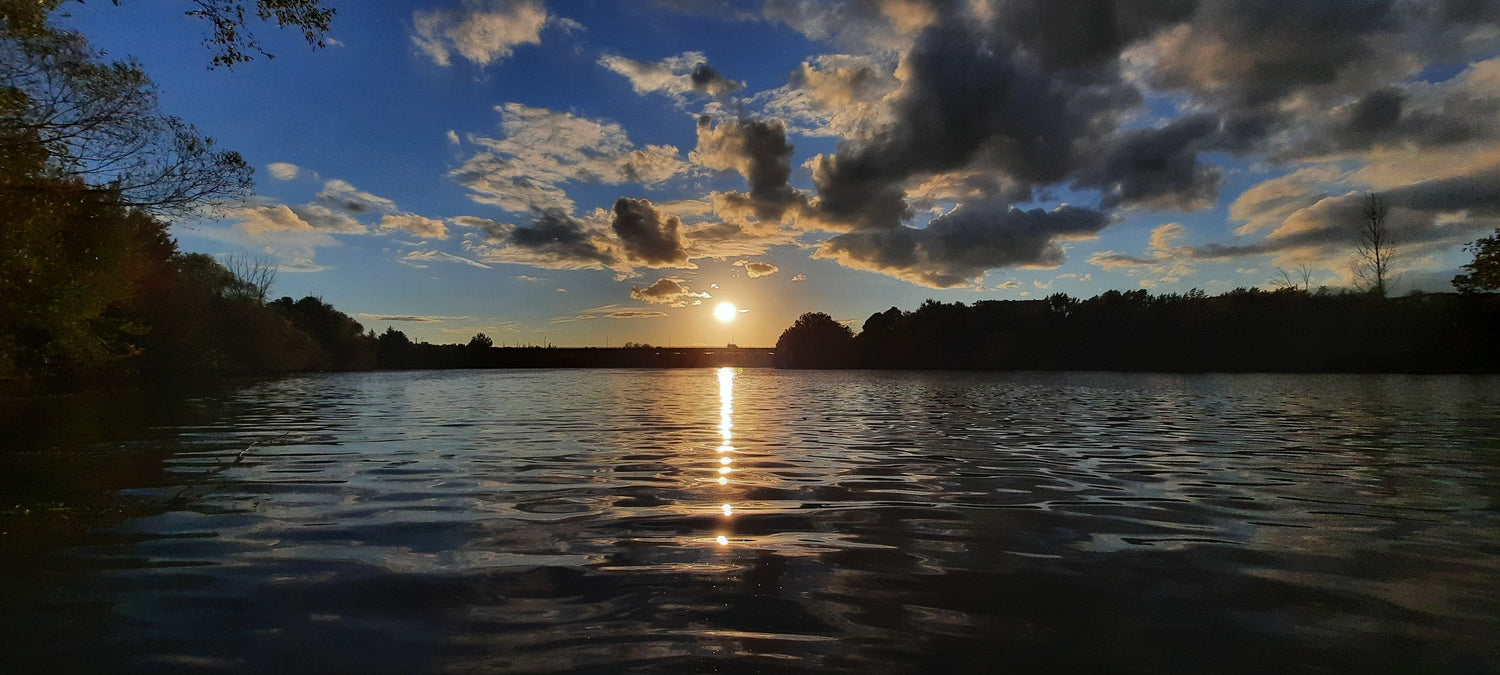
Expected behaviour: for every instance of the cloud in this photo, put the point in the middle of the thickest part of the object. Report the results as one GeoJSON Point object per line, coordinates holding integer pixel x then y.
{"type": "Point", "coordinates": [1270, 71]}
{"type": "Point", "coordinates": [676, 77]}
{"type": "Point", "coordinates": [959, 247]}
{"type": "Point", "coordinates": [543, 150]}
{"type": "Point", "coordinates": [266, 219]}
{"type": "Point", "coordinates": [552, 239]}
{"type": "Point", "coordinates": [453, 138]}
{"type": "Point", "coordinates": [967, 102]}
{"type": "Point", "coordinates": [841, 95]}
{"type": "Point", "coordinates": [407, 318]}
{"type": "Point", "coordinates": [757, 269]}
{"type": "Point", "coordinates": [258, 220]}
{"type": "Point", "coordinates": [1267, 204]}
{"type": "Point", "coordinates": [635, 314]}
{"type": "Point", "coordinates": [648, 236]}
{"type": "Point", "coordinates": [882, 25]}
{"type": "Point", "coordinates": [1158, 168]}
{"type": "Point", "coordinates": [1423, 217]}
{"type": "Point", "coordinates": [283, 170]}
{"type": "Point", "coordinates": [799, 278]}
{"type": "Point", "coordinates": [341, 195]}
{"type": "Point", "coordinates": [421, 258]}
{"type": "Point", "coordinates": [1166, 262]}
{"type": "Point", "coordinates": [481, 31]}
{"type": "Point", "coordinates": [668, 291]}
{"type": "Point", "coordinates": [758, 151]}
{"type": "Point", "coordinates": [323, 218]}
{"type": "Point", "coordinates": [421, 226]}
{"type": "Point", "coordinates": [1010, 101]}
{"type": "Point", "coordinates": [611, 312]}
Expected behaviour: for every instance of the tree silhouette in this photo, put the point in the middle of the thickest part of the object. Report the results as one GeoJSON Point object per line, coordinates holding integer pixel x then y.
{"type": "Point", "coordinates": [393, 349]}
{"type": "Point", "coordinates": [232, 41]}
{"type": "Point", "coordinates": [1484, 271]}
{"type": "Point", "coordinates": [1373, 247]}
{"type": "Point", "coordinates": [96, 121]}
{"type": "Point", "coordinates": [815, 340]}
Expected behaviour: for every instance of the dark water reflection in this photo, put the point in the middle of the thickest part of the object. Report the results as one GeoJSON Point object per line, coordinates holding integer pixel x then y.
{"type": "Point", "coordinates": [773, 521]}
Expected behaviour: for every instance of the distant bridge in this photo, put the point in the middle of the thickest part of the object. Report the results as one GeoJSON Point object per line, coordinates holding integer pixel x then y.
{"type": "Point", "coordinates": [629, 357]}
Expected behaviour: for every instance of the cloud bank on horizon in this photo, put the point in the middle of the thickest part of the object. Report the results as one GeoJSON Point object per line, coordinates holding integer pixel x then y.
{"type": "Point", "coordinates": [954, 140]}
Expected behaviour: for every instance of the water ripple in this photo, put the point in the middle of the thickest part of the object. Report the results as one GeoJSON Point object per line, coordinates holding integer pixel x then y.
{"type": "Point", "coordinates": [872, 522]}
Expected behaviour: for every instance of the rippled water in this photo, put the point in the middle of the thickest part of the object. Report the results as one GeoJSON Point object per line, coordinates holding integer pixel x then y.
{"type": "Point", "coordinates": [760, 520]}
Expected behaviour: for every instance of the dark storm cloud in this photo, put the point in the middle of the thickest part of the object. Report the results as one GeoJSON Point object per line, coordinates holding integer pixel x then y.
{"type": "Point", "coordinates": [956, 248]}
{"type": "Point", "coordinates": [708, 81]}
{"type": "Point", "coordinates": [1248, 52]}
{"type": "Point", "coordinates": [1248, 60]}
{"type": "Point", "coordinates": [1158, 167]}
{"type": "Point", "coordinates": [758, 150]}
{"type": "Point", "coordinates": [649, 236]}
{"type": "Point", "coordinates": [1392, 117]}
{"type": "Point", "coordinates": [969, 95]}
{"type": "Point", "coordinates": [1085, 36]}
{"type": "Point", "coordinates": [1036, 91]}
{"type": "Point", "coordinates": [552, 235]}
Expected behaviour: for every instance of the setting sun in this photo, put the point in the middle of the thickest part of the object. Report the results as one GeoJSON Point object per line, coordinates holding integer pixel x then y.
{"type": "Point", "coordinates": [725, 312]}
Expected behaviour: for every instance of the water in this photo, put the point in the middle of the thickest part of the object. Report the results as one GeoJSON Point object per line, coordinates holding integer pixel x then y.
{"type": "Point", "coordinates": [760, 520]}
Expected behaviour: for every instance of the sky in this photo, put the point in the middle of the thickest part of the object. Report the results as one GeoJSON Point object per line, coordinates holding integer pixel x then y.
{"type": "Point", "coordinates": [592, 173]}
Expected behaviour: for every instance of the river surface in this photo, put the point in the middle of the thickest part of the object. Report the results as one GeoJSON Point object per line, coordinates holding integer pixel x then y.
{"type": "Point", "coordinates": [757, 521]}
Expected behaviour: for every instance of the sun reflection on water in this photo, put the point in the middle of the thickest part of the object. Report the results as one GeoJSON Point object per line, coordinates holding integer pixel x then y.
{"type": "Point", "coordinates": [726, 435]}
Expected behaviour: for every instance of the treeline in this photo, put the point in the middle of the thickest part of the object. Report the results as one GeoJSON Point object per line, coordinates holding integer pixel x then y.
{"type": "Point", "coordinates": [91, 283]}
{"type": "Point", "coordinates": [1246, 330]}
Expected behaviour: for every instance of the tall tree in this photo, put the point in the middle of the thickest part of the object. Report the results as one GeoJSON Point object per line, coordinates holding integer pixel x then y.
{"type": "Point", "coordinates": [1373, 247]}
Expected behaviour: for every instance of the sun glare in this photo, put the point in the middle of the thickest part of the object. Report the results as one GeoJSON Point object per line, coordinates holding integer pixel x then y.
{"type": "Point", "coordinates": [725, 312]}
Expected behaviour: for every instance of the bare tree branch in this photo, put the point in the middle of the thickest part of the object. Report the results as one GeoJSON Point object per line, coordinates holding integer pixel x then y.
{"type": "Point", "coordinates": [1373, 248]}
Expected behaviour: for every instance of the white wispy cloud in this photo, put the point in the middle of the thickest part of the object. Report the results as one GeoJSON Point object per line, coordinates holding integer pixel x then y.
{"type": "Point", "coordinates": [421, 226]}
{"type": "Point", "coordinates": [543, 150]}
{"type": "Point", "coordinates": [421, 258]}
{"type": "Point", "coordinates": [479, 31]}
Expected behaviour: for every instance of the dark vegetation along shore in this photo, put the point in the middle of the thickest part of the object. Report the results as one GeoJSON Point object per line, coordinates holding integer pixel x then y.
{"type": "Point", "coordinates": [1247, 330]}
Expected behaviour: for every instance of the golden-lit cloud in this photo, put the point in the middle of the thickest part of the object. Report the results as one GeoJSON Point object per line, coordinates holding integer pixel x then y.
{"type": "Point", "coordinates": [480, 31]}
{"type": "Point", "coordinates": [669, 291]}
{"type": "Point", "coordinates": [757, 269]}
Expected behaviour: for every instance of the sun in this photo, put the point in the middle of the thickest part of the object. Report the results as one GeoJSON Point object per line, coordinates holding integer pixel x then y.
{"type": "Point", "coordinates": [725, 312]}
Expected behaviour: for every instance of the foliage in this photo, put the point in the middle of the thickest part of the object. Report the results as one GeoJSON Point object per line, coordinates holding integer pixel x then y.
{"type": "Point", "coordinates": [393, 349]}
{"type": "Point", "coordinates": [1484, 271]}
{"type": "Point", "coordinates": [72, 265]}
{"type": "Point", "coordinates": [1245, 330]}
{"type": "Point", "coordinates": [232, 41]}
{"type": "Point", "coordinates": [91, 284]}
{"type": "Point", "coordinates": [96, 125]}
{"type": "Point", "coordinates": [815, 340]}
{"type": "Point", "coordinates": [344, 343]}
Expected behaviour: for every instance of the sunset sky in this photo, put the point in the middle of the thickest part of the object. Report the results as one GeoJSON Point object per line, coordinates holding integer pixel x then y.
{"type": "Point", "coordinates": [589, 172]}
